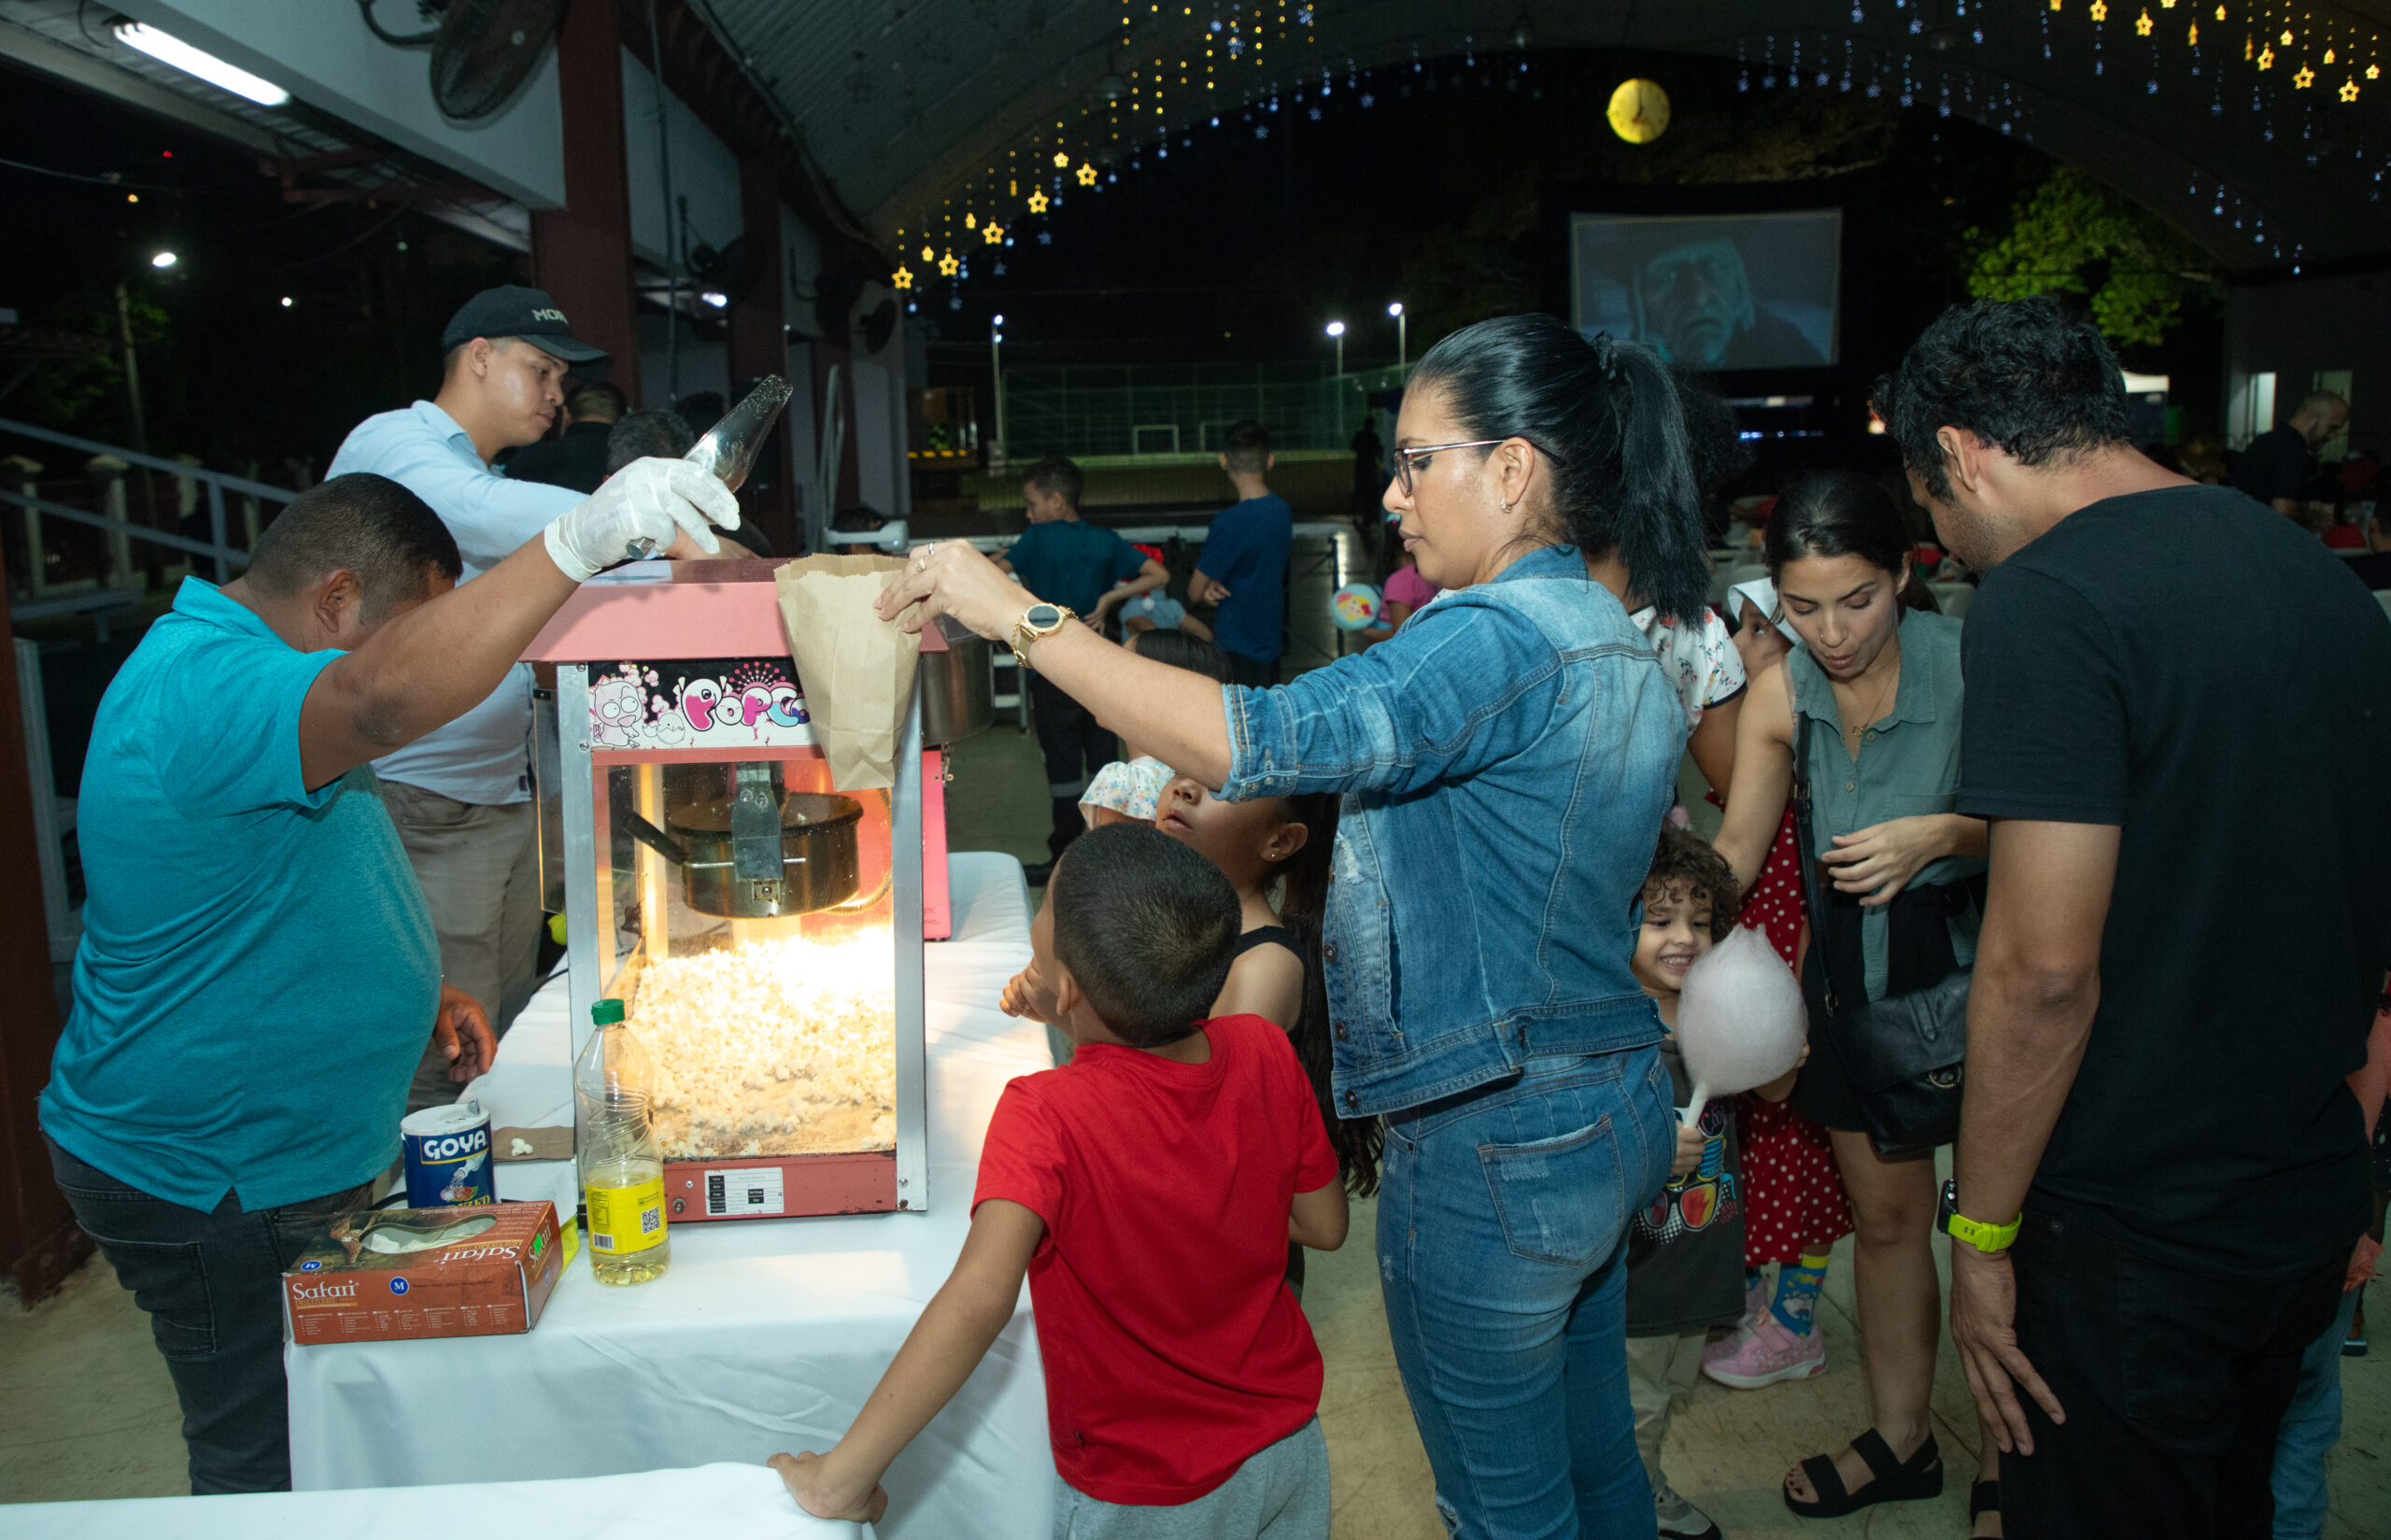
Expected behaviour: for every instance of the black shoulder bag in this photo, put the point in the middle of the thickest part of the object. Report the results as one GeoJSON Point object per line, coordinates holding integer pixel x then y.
{"type": "Point", "coordinates": [1904, 1055]}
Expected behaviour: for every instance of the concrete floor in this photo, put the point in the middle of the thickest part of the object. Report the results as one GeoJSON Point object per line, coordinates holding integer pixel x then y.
{"type": "Point", "coordinates": [87, 1411]}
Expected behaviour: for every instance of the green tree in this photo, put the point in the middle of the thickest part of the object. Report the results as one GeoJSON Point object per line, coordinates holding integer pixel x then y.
{"type": "Point", "coordinates": [2071, 236]}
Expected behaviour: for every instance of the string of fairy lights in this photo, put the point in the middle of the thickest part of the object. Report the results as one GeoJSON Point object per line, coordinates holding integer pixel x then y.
{"type": "Point", "coordinates": [1249, 68]}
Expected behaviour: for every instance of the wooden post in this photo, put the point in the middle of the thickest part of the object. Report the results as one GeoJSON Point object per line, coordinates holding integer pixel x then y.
{"type": "Point", "coordinates": [581, 253]}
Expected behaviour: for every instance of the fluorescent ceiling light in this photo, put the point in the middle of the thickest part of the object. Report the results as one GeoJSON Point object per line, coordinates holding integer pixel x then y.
{"type": "Point", "coordinates": [717, 300]}
{"type": "Point", "coordinates": [169, 50]}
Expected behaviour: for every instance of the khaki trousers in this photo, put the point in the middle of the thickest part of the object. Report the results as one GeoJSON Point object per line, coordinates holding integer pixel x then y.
{"type": "Point", "coordinates": [479, 869]}
{"type": "Point", "coordinates": [1658, 1370]}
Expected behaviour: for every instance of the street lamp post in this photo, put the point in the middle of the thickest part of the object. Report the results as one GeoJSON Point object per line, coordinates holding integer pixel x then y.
{"type": "Point", "coordinates": [1336, 334]}
{"type": "Point", "coordinates": [996, 370]}
{"type": "Point", "coordinates": [1402, 350]}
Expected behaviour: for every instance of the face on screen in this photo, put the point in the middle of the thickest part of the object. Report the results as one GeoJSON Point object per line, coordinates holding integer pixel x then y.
{"type": "Point", "coordinates": [1694, 300]}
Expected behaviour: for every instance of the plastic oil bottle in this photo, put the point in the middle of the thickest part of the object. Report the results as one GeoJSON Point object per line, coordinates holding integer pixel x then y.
{"type": "Point", "coordinates": [622, 1170]}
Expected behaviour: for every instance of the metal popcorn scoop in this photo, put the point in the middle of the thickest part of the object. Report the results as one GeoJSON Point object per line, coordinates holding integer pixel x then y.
{"type": "Point", "coordinates": [730, 449]}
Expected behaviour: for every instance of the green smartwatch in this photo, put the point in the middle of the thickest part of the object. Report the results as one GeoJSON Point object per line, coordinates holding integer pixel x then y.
{"type": "Point", "coordinates": [1987, 1238]}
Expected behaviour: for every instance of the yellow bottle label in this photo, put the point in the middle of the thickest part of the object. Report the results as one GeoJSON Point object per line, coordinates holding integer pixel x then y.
{"type": "Point", "coordinates": [626, 1219]}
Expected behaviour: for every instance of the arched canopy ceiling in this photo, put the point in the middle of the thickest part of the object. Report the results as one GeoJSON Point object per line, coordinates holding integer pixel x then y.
{"type": "Point", "coordinates": [2265, 153]}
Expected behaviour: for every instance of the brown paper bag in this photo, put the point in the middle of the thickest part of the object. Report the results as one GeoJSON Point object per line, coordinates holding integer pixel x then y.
{"type": "Point", "coordinates": [855, 668]}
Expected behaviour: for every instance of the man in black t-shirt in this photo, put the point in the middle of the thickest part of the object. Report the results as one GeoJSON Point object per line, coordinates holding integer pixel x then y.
{"type": "Point", "coordinates": [2178, 709]}
{"type": "Point", "coordinates": [2276, 467]}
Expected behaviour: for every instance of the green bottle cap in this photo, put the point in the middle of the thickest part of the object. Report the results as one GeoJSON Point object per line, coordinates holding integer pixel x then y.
{"type": "Point", "coordinates": [607, 1013]}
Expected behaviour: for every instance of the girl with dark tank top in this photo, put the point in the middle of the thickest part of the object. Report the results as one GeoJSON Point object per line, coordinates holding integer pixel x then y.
{"type": "Point", "coordinates": [1900, 878]}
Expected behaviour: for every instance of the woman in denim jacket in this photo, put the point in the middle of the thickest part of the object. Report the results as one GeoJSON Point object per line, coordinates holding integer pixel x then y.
{"type": "Point", "coordinates": [1505, 758]}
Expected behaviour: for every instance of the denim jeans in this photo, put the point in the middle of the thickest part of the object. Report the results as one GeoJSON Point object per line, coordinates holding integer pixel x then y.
{"type": "Point", "coordinates": [1502, 1239]}
{"type": "Point", "coordinates": [2310, 1430]}
{"type": "Point", "coordinates": [212, 1286]}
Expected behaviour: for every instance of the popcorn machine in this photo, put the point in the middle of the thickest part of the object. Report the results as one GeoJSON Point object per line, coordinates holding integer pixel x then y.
{"type": "Point", "coordinates": [762, 928]}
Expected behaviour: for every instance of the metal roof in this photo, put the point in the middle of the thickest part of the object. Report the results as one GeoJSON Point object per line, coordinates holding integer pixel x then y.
{"type": "Point", "coordinates": [901, 102]}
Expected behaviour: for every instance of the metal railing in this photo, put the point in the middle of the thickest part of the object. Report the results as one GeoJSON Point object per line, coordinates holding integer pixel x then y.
{"type": "Point", "coordinates": [122, 530]}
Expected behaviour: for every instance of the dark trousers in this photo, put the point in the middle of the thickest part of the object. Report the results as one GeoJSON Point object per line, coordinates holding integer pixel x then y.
{"type": "Point", "coordinates": [212, 1285]}
{"type": "Point", "coordinates": [2173, 1386]}
{"type": "Point", "coordinates": [1076, 746]}
{"type": "Point", "coordinates": [1250, 670]}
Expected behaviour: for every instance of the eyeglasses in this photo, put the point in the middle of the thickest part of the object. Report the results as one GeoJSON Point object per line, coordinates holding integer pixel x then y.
{"type": "Point", "coordinates": [1408, 461]}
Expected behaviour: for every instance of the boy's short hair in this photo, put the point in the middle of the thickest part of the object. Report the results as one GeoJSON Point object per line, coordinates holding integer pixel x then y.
{"type": "Point", "coordinates": [1060, 477]}
{"type": "Point", "coordinates": [1247, 445]}
{"type": "Point", "coordinates": [1147, 926]}
{"type": "Point", "coordinates": [1684, 858]}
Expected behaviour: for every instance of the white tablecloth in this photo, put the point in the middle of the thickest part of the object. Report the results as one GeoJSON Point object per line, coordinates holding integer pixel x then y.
{"type": "Point", "coordinates": [765, 1334]}
{"type": "Point", "coordinates": [714, 1503]}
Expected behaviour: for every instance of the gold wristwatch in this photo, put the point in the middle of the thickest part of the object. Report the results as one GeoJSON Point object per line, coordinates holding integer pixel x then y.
{"type": "Point", "coordinates": [1038, 620]}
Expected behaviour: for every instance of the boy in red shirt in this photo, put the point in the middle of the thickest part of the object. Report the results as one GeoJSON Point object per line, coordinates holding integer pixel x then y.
{"type": "Point", "coordinates": [1149, 1190]}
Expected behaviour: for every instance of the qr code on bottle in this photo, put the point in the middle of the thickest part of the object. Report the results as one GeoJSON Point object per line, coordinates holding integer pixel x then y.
{"type": "Point", "coordinates": [650, 1220]}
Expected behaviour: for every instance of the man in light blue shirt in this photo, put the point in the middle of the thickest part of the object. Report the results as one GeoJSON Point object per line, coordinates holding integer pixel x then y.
{"type": "Point", "coordinates": [258, 975]}
{"type": "Point", "coordinates": [462, 797]}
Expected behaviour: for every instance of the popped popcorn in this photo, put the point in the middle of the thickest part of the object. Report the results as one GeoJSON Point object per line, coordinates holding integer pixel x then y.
{"type": "Point", "coordinates": [773, 1048]}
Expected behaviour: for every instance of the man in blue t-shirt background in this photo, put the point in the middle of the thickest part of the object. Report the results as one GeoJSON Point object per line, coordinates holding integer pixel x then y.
{"type": "Point", "coordinates": [1091, 570]}
{"type": "Point", "coordinates": [1243, 565]}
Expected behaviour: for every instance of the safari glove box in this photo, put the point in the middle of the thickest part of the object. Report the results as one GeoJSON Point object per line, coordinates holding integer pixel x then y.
{"type": "Point", "coordinates": [383, 1274]}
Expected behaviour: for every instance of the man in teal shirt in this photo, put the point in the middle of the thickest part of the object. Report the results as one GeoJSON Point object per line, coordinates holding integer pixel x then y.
{"type": "Point", "coordinates": [258, 973]}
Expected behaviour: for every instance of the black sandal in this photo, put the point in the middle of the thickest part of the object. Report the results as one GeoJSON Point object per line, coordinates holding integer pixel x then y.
{"type": "Point", "coordinates": [1983, 1497]}
{"type": "Point", "coordinates": [1895, 1482]}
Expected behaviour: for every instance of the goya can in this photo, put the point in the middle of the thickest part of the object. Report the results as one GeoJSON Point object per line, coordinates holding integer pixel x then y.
{"type": "Point", "coordinates": [448, 1156]}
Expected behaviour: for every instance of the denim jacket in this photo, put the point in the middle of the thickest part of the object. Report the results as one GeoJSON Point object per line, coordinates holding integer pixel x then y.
{"type": "Point", "coordinates": [1506, 759]}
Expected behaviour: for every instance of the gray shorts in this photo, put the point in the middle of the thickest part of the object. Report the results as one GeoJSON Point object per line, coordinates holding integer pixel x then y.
{"type": "Point", "coordinates": [1279, 1493]}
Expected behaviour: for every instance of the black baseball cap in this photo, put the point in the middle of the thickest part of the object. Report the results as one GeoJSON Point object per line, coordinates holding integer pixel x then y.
{"type": "Point", "coordinates": [511, 310]}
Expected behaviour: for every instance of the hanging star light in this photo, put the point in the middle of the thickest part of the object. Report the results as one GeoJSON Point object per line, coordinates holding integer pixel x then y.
{"type": "Point", "coordinates": [2220, 13]}
{"type": "Point", "coordinates": [2100, 10]}
{"type": "Point", "coordinates": [947, 266]}
{"type": "Point", "coordinates": [1061, 159]}
{"type": "Point", "coordinates": [994, 234]}
{"type": "Point", "coordinates": [2267, 59]}
{"type": "Point", "coordinates": [2142, 24]}
{"type": "Point", "coordinates": [2329, 56]}
{"type": "Point", "coordinates": [2305, 79]}
{"type": "Point", "coordinates": [902, 277]}
{"type": "Point", "coordinates": [2349, 90]}
{"type": "Point", "coordinates": [1036, 202]}
{"type": "Point", "coordinates": [2375, 72]}
{"type": "Point", "coordinates": [2195, 37]}
{"type": "Point", "coordinates": [970, 222]}
{"type": "Point", "coordinates": [1087, 173]}
{"type": "Point", "coordinates": [929, 254]}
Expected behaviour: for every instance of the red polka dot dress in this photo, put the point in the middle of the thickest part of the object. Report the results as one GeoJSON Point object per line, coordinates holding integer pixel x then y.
{"type": "Point", "coordinates": [1793, 1198]}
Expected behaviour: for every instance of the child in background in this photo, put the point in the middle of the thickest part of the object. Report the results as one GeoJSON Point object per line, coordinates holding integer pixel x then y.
{"type": "Point", "coordinates": [1685, 1252]}
{"type": "Point", "coordinates": [1146, 1189]}
{"type": "Point", "coordinates": [1404, 591]}
{"type": "Point", "coordinates": [1128, 790]}
{"type": "Point", "coordinates": [1285, 842]}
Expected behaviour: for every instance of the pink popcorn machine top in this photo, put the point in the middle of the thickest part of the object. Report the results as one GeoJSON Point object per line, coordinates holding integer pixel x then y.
{"type": "Point", "coordinates": [763, 929]}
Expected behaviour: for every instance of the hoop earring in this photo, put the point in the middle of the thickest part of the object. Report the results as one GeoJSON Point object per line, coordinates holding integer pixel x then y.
{"type": "Point", "coordinates": [1507, 507]}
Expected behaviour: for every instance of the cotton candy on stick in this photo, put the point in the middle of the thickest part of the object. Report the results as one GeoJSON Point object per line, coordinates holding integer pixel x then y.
{"type": "Point", "coordinates": [1740, 1019]}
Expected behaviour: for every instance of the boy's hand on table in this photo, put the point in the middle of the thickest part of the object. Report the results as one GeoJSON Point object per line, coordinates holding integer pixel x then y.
{"type": "Point", "coordinates": [806, 1476]}
{"type": "Point", "coordinates": [1692, 1141]}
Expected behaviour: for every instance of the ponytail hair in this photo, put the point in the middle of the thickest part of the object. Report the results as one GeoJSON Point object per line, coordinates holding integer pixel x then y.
{"type": "Point", "coordinates": [1606, 424]}
{"type": "Point", "coordinates": [1843, 513]}
{"type": "Point", "coordinates": [1303, 907]}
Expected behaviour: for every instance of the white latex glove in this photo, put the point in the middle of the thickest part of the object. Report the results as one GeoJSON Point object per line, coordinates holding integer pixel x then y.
{"type": "Point", "coordinates": [640, 510]}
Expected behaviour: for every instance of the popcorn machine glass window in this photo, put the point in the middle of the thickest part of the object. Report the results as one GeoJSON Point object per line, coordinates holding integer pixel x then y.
{"type": "Point", "coordinates": [762, 928]}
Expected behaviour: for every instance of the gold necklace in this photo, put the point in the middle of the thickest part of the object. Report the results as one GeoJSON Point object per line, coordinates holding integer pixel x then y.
{"type": "Point", "coordinates": [1853, 737]}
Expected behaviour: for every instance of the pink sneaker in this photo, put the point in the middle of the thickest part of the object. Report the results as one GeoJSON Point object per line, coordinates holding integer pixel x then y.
{"type": "Point", "coordinates": [1765, 1354]}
